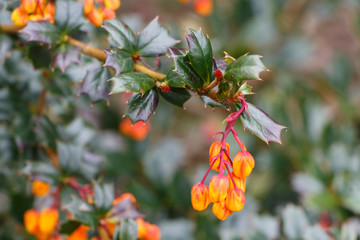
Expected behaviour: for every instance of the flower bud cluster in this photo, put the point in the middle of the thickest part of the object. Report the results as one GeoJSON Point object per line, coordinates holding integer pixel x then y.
{"type": "Point", "coordinates": [33, 10]}
{"type": "Point", "coordinates": [41, 224]}
{"type": "Point", "coordinates": [99, 10]}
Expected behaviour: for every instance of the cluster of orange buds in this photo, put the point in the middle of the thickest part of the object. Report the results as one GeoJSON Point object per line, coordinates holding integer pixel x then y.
{"type": "Point", "coordinates": [33, 10]}
{"type": "Point", "coordinates": [41, 224]}
{"type": "Point", "coordinates": [137, 131]}
{"type": "Point", "coordinates": [99, 10]}
{"type": "Point", "coordinates": [201, 7]}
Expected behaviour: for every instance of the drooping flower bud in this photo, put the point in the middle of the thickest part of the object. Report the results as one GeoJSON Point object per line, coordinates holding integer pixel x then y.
{"type": "Point", "coordinates": [203, 7]}
{"type": "Point", "coordinates": [108, 13]}
{"type": "Point", "coordinates": [112, 4]}
{"type": "Point", "coordinates": [147, 231]}
{"type": "Point", "coordinates": [137, 131]}
{"type": "Point", "coordinates": [88, 6]}
{"type": "Point", "coordinates": [235, 200]}
{"type": "Point", "coordinates": [29, 6]}
{"type": "Point", "coordinates": [218, 188]}
{"type": "Point", "coordinates": [221, 211]}
{"type": "Point", "coordinates": [31, 220]}
{"type": "Point", "coordinates": [240, 182]}
{"type": "Point", "coordinates": [48, 220]}
{"type": "Point", "coordinates": [200, 196]}
{"type": "Point", "coordinates": [40, 188]}
{"type": "Point", "coordinates": [95, 17]}
{"type": "Point", "coordinates": [19, 17]}
{"type": "Point", "coordinates": [214, 150]}
{"type": "Point", "coordinates": [243, 163]}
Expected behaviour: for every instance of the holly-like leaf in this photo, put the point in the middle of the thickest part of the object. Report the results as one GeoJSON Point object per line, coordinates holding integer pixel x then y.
{"type": "Point", "coordinates": [103, 196]}
{"type": "Point", "coordinates": [70, 157]}
{"type": "Point", "coordinates": [45, 172]}
{"type": "Point", "coordinates": [41, 31]}
{"type": "Point", "coordinates": [177, 96]}
{"type": "Point", "coordinates": [261, 124]}
{"type": "Point", "coordinates": [154, 39]}
{"type": "Point", "coordinates": [120, 60]}
{"type": "Point", "coordinates": [67, 15]}
{"type": "Point", "coordinates": [132, 82]}
{"type": "Point", "coordinates": [47, 132]}
{"type": "Point", "coordinates": [141, 106]}
{"type": "Point", "coordinates": [95, 84]}
{"type": "Point", "coordinates": [128, 230]}
{"type": "Point", "coordinates": [247, 67]}
{"type": "Point", "coordinates": [173, 80]}
{"type": "Point", "coordinates": [121, 34]}
{"type": "Point", "coordinates": [185, 71]}
{"type": "Point", "coordinates": [211, 103]}
{"type": "Point", "coordinates": [64, 56]}
{"type": "Point", "coordinates": [82, 211]}
{"type": "Point", "coordinates": [246, 89]}
{"type": "Point", "coordinates": [200, 54]}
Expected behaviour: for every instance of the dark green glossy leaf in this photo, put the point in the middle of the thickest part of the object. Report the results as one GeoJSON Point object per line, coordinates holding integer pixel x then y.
{"type": "Point", "coordinates": [128, 230]}
{"type": "Point", "coordinates": [173, 80]}
{"type": "Point", "coordinates": [41, 31]}
{"type": "Point", "coordinates": [141, 106]}
{"type": "Point", "coordinates": [261, 124]}
{"type": "Point", "coordinates": [200, 54]}
{"type": "Point", "coordinates": [176, 96]}
{"type": "Point", "coordinates": [154, 40]}
{"type": "Point", "coordinates": [103, 196]}
{"type": "Point", "coordinates": [65, 56]}
{"type": "Point", "coordinates": [69, 226]}
{"type": "Point", "coordinates": [96, 86]}
{"type": "Point", "coordinates": [70, 157]}
{"type": "Point", "coordinates": [67, 15]}
{"type": "Point", "coordinates": [185, 71]}
{"type": "Point", "coordinates": [82, 212]}
{"type": "Point", "coordinates": [120, 60]}
{"type": "Point", "coordinates": [121, 34]}
{"type": "Point", "coordinates": [209, 102]}
{"type": "Point", "coordinates": [247, 67]}
{"type": "Point", "coordinates": [132, 82]}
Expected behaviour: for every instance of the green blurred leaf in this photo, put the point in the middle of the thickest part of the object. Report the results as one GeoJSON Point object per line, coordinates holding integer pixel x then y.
{"type": "Point", "coordinates": [103, 196]}
{"type": "Point", "coordinates": [68, 16]}
{"type": "Point", "coordinates": [315, 233]}
{"type": "Point", "coordinates": [200, 54]}
{"type": "Point", "coordinates": [120, 60]}
{"type": "Point", "coordinates": [82, 212]}
{"type": "Point", "coordinates": [64, 56]}
{"type": "Point", "coordinates": [141, 106]}
{"type": "Point", "coordinates": [69, 226]}
{"type": "Point", "coordinates": [42, 171]}
{"type": "Point", "coordinates": [261, 124]}
{"type": "Point", "coordinates": [47, 132]}
{"type": "Point", "coordinates": [69, 157]}
{"type": "Point", "coordinates": [295, 222]}
{"type": "Point", "coordinates": [121, 34]}
{"type": "Point", "coordinates": [132, 82]}
{"type": "Point", "coordinates": [128, 230]}
{"type": "Point", "coordinates": [176, 96]}
{"type": "Point", "coordinates": [41, 31]}
{"type": "Point", "coordinates": [211, 103]}
{"type": "Point", "coordinates": [247, 67]}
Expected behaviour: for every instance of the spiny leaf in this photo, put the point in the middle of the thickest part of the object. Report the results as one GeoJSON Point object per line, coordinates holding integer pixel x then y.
{"type": "Point", "coordinates": [177, 96]}
{"type": "Point", "coordinates": [67, 15]}
{"type": "Point", "coordinates": [120, 60]}
{"type": "Point", "coordinates": [247, 67]}
{"type": "Point", "coordinates": [64, 56]}
{"type": "Point", "coordinates": [261, 124]}
{"type": "Point", "coordinates": [200, 54]}
{"type": "Point", "coordinates": [121, 34]}
{"type": "Point", "coordinates": [41, 31]}
{"type": "Point", "coordinates": [173, 80]}
{"type": "Point", "coordinates": [96, 86]}
{"type": "Point", "coordinates": [211, 103]}
{"type": "Point", "coordinates": [246, 89]}
{"type": "Point", "coordinates": [132, 82]}
{"type": "Point", "coordinates": [154, 39]}
{"type": "Point", "coordinates": [141, 106]}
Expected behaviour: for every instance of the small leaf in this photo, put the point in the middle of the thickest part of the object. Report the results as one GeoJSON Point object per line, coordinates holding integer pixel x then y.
{"type": "Point", "coordinates": [70, 157]}
{"type": "Point", "coordinates": [120, 60]}
{"type": "Point", "coordinates": [316, 232]}
{"type": "Point", "coordinates": [173, 80]}
{"type": "Point", "coordinates": [121, 34]}
{"type": "Point", "coordinates": [67, 15]}
{"type": "Point", "coordinates": [132, 82]}
{"type": "Point", "coordinates": [141, 106]}
{"type": "Point", "coordinates": [247, 67]}
{"type": "Point", "coordinates": [43, 171]}
{"type": "Point", "coordinates": [96, 86]}
{"type": "Point", "coordinates": [65, 56]}
{"type": "Point", "coordinates": [128, 230]}
{"type": "Point", "coordinates": [295, 222]}
{"type": "Point", "coordinates": [261, 124]}
{"type": "Point", "coordinates": [228, 59]}
{"type": "Point", "coordinates": [208, 101]}
{"type": "Point", "coordinates": [185, 71]}
{"type": "Point", "coordinates": [41, 31]}
{"type": "Point", "coordinates": [103, 196]}
{"type": "Point", "coordinates": [82, 211]}
{"type": "Point", "coordinates": [200, 54]}
{"type": "Point", "coordinates": [154, 40]}
{"type": "Point", "coordinates": [47, 132]}
{"type": "Point", "coordinates": [177, 96]}
{"type": "Point", "coordinates": [246, 89]}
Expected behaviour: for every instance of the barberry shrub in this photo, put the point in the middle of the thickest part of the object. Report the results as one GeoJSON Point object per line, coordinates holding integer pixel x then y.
{"type": "Point", "coordinates": [73, 200]}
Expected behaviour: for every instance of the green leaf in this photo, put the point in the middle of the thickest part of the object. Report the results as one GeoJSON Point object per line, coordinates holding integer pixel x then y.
{"type": "Point", "coordinates": [82, 212]}
{"type": "Point", "coordinates": [173, 80]}
{"type": "Point", "coordinates": [185, 71]}
{"type": "Point", "coordinates": [96, 86]}
{"type": "Point", "coordinates": [121, 34]}
{"type": "Point", "coordinates": [261, 124]}
{"type": "Point", "coordinates": [316, 233]}
{"type": "Point", "coordinates": [41, 31]}
{"type": "Point", "coordinates": [65, 56]}
{"type": "Point", "coordinates": [120, 60]}
{"type": "Point", "coordinates": [103, 196]}
{"type": "Point", "coordinates": [70, 157]}
{"type": "Point", "coordinates": [42, 171]}
{"type": "Point", "coordinates": [246, 89]}
{"type": "Point", "coordinates": [200, 54]}
{"type": "Point", "coordinates": [247, 67]}
{"type": "Point", "coordinates": [132, 82]}
{"type": "Point", "coordinates": [128, 230]}
{"type": "Point", "coordinates": [141, 106]}
{"type": "Point", "coordinates": [223, 90]}
{"type": "Point", "coordinates": [68, 17]}
{"type": "Point", "coordinates": [47, 132]}
{"type": "Point", "coordinates": [69, 226]}
{"type": "Point", "coordinates": [154, 40]}
{"type": "Point", "coordinates": [177, 96]}
{"type": "Point", "coordinates": [211, 103]}
{"type": "Point", "coordinates": [295, 222]}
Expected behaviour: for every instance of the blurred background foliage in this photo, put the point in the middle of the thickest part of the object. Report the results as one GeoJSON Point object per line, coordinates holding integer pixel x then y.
{"type": "Point", "coordinates": [306, 188]}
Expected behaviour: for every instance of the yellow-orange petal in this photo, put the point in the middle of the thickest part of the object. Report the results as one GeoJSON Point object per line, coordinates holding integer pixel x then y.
{"type": "Point", "coordinates": [31, 220]}
{"type": "Point", "coordinates": [235, 200]}
{"type": "Point", "coordinates": [218, 188]}
{"type": "Point", "coordinates": [221, 211]}
{"type": "Point", "coordinates": [108, 13]}
{"type": "Point", "coordinates": [200, 196]}
{"type": "Point", "coordinates": [40, 188]}
{"type": "Point", "coordinates": [48, 220]}
{"type": "Point", "coordinates": [96, 17]}
{"type": "Point", "coordinates": [203, 7]}
{"type": "Point", "coordinates": [214, 150]}
{"type": "Point", "coordinates": [152, 232]}
{"type": "Point", "coordinates": [123, 197]}
{"type": "Point", "coordinates": [112, 4]}
{"type": "Point", "coordinates": [19, 17]}
{"type": "Point", "coordinates": [79, 234]}
{"type": "Point", "coordinates": [240, 182]}
{"type": "Point", "coordinates": [243, 163]}
{"type": "Point", "coordinates": [141, 228]}
{"type": "Point", "coordinates": [88, 6]}
{"type": "Point", "coordinates": [29, 6]}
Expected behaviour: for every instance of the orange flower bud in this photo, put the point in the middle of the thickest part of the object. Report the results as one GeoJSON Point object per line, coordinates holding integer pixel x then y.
{"type": "Point", "coordinates": [221, 211]}
{"type": "Point", "coordinates": [214, 150]}
{"type": "Point", "coordinates": [235, 200]}
{"type": "Point", "coordinates": [218, 188]}
{"type": "Point", "coordinates": [88, 6]}
{"type": "Point", "coordinates": [40, 188]}
{"type": "Point", "coordinates": [243, 164]}
{"type": "Point", "coordinates": [79, 234]}
{"type": "Point", "coordinates": [147, 231]}
{"type": "Point", "coordinates": [108, 13]}
{"type": "Point", "coordinates": [200, 196]}
{"type": "Point", "coordinates": [137, 131]}
{"type": "Point", "coordinates": [112, 4]}
{"type": "Point", "coordinates": [141, 228]}
{"type": "Point", "coordinates": [50, 9]}
{"type": "Point", "coordinates": [35, 17]}
{"type": "Point", "coordinates": [42, 4]}
{"type": "Point", "coordinates": [31, 220]}
{"type": "Point", "coordinates": [240, 182]}
{"type": "Point", "coordinates": [203, 7]}
{"type": "Point", "coordinates": [95, 17]}
{"type": "Point", "coordinates": [48, 220]}
{"type": "Point", "coordinates": [19, 17]}
{"type": "Point", "coordinates": [29, 6]}
{"type": "Point", "coordinates": [123, 197]}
